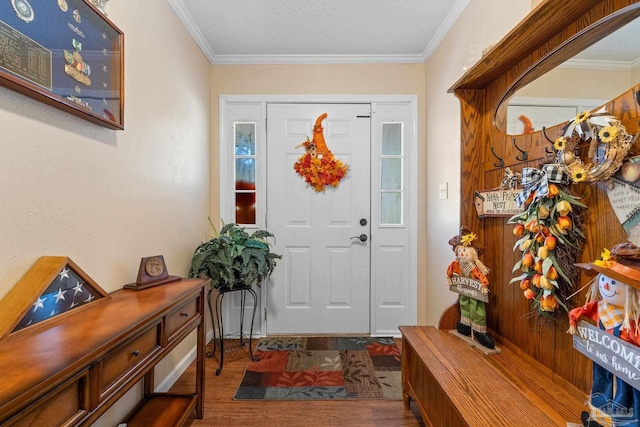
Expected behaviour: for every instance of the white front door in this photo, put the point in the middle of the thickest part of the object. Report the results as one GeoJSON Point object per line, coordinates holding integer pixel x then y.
{"type": "Point", "coordinates": [313, 277]}
{"type": "Point", "coordinates": [322, 283]}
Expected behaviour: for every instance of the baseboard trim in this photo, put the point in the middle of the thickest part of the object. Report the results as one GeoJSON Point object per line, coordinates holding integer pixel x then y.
{"type": "Point", "coordinates": [180, 367]}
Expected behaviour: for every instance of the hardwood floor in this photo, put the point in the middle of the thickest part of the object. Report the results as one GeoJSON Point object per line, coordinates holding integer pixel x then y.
{"type": "Point", "coordinates": [221, 410]}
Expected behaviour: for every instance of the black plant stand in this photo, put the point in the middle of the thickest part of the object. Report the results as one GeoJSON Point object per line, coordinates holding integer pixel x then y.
{"type": "Point", "coordinates": [217, 309]}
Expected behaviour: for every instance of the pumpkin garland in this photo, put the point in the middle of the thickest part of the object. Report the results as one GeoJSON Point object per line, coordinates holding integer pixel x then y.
{"type": "Point", "coordinates": [549, 238]}
{"type": "Point", "coordinates": [548, 230]}
{"type": "Point", "coordinates": [317, 165]}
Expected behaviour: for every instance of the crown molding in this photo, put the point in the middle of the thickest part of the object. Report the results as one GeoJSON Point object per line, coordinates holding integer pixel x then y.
{"type": "Point", "coordinates": [192, 28]}
{"type": "Point", "coordinates": [316, 59]}
{"type": "Point", "coordinates": [444, 28]}
{"type": "Point", "coordinates": [601, 65]}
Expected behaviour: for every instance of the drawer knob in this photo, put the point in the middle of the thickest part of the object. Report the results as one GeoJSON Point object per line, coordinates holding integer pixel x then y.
{"type": "Point", "coordinates": [184, 315]}
{"type": "Point", "coordinates": [136, 353]}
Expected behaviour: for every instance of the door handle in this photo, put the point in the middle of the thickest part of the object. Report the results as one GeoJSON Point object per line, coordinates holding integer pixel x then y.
{"type": "Point", "coordinates": [362, 237]}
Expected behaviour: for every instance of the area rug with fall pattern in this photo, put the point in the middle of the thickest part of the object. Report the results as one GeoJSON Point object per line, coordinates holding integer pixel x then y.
{"type": "Point", "coordinates": [320, 368]}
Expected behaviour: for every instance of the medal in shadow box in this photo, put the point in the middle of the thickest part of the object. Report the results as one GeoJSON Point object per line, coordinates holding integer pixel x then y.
{"type": "Point", "coordinates": [65, 53]}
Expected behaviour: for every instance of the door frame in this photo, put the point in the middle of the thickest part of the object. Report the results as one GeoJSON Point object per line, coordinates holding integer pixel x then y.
{"type": "Point", "coordinates": [225, 187]}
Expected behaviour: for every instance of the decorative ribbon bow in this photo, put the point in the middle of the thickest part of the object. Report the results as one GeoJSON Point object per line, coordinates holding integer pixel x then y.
{"type": "Point", "coordinates": [586, 122]}
{"type": "Point", "coordinates": [510, 180]}
{"type": "Point", "coordinates": [538, 179]}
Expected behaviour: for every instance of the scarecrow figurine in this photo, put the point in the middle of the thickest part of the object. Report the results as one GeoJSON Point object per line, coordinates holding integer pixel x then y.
{"type": "Point", "coordinates": [473, 312]}
{"type": "Point", "coordinates": [613, 302]}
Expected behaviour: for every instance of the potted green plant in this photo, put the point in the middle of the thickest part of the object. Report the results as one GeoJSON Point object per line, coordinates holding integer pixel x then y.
{"type": "Point", "coordinates": [234, 258]}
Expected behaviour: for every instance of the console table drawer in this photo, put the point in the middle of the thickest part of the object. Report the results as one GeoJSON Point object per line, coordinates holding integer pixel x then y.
{"type": "Point", "coordinates": [180, 317]}
{"type": "Point", "coordinates": [118, 363]}
{"type": "Point", "coordinates": [70, 371]}
{"type": "Point", "coordinates": [65, 405]}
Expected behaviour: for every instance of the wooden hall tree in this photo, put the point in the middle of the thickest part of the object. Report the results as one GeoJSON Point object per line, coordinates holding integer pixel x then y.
{"type": "Point", "coordinates": [553, 32]}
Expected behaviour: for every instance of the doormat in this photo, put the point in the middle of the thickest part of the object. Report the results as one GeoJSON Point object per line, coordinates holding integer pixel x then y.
{"type": "Point", "coordinates": [323, 368]}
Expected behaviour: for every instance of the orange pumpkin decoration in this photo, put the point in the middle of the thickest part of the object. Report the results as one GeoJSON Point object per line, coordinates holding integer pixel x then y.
{"type": "Point", "coordinates": [317, 165]}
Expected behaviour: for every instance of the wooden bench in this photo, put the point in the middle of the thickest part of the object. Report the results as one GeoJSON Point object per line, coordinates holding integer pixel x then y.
{"type": "Point", "coordinates": [454, 385]}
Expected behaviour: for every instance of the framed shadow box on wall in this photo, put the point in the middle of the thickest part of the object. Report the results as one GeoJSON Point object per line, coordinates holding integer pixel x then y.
{"type": "Point", "coordinates": [65, 53]}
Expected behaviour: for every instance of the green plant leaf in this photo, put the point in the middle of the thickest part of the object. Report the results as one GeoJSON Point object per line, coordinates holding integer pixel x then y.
{"type": "Point", "coordinates": [516, 266]}
{"type": "Point", "coordinates": [562, 304]}
{"type": "Point", "coordinates": [546, 264]}
{"type": "Point", "coordinates": [261, 234]}
{"type": "Point", "coordinates": [560, 272]}
{"type": "Point", "coordinates": [225, 228]}
{"type": "Point", "coordinates": [571, 199]}
{"type": "Point", "coordinates": [514, 219]}
{"type": "Point", "coordinates": [520, 277]}
{"type": "Point", "coordinates": [520, 240]}
{"type": "Point", "coordinates": [234, 259]}
{"type": "Point", "coordinates": [252, 243]}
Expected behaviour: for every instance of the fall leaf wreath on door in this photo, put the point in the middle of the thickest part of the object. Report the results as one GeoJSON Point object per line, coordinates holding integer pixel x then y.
{"type": "Point", "coordinates": [318, 166]}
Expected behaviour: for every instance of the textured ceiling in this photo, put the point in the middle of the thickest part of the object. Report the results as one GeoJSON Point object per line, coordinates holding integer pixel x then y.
{"type": "Point", "coordinates": [619, 50]}
{"type": "Point", "coordinates": [304, 31]}
{"type": "Point", "coordinates": [351, 31]}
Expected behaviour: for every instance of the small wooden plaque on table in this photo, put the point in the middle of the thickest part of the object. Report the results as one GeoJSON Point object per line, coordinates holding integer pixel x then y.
{"type": "Point", "coordinates": [152, 272]}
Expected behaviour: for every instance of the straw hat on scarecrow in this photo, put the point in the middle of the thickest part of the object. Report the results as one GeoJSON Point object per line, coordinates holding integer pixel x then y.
{"type": "Point", "coordinates": [468, 239]}
{"type": "Point", "coordinates": [622, 263]}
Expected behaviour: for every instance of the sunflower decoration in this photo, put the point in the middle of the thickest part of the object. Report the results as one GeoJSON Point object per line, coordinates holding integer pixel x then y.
{"type": "Point", "coordinates": [608, 142]}
{"type": "Point", "coordinates": [560, 143]}
{"type": "Point", "coordinates": [606, 261]}
{"type": "Point", "coordinates": [317, 165]}
{"type": "Point", "coordinates": [548, 237]}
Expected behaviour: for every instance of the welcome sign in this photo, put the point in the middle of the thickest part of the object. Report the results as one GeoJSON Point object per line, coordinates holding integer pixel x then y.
{"type": "Point", "coordinates": [468, 287]}
{"type": "Point", "coordinates": [615, 355]}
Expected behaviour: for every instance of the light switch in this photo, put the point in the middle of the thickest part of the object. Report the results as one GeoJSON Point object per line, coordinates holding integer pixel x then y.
{"type": "Point", "coordinates": [444, 193]}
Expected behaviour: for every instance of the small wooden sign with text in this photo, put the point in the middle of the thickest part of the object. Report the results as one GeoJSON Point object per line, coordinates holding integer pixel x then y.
{"type": "Point", "coordinates": [496, 203]}
{"type": "Point", "coordinates": [467, 286]}
{"type": "Point", "coordinates": [625, 200]}
{"type": "Point", "coordinates": [615, 355]}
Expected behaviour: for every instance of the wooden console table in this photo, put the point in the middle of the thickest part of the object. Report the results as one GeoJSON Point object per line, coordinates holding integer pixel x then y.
{"type": "Point", "coordinates": [70, 371]}
{"type": "Point", "coordinates": [454, 384]}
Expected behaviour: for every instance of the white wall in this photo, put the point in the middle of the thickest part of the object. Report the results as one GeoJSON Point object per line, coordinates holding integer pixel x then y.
{"type": "Point", "coordinates": [107, 198]}
{"type": "Point", "coordinates": [635, 76]}
{"type": "Point", "coordinates": [484, 22]}
{"type": "Point", "coordinates": [579, 83]}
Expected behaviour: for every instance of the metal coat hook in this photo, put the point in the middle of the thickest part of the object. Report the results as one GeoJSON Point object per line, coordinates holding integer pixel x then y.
{"type": "Point", "coordinates": [549, 154]}
{"type": "Point", "coordinates": [637, 96]}
{"type": "Point", "coordinates": [525, 156]}
{"type": "Point", "coordinates": [544, 132]}
{"type": "Point", "coordinates": [500, 161]}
